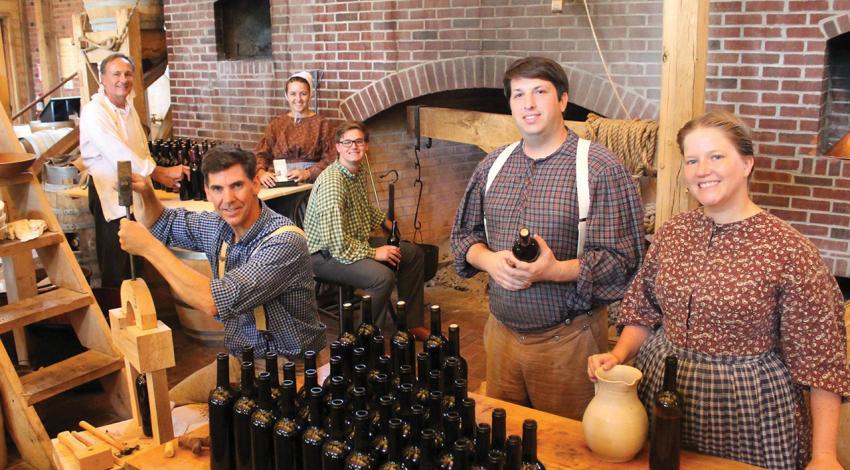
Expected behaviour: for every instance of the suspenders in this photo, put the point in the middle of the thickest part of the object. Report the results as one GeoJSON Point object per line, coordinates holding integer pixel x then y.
{"type": "Point", "coordinates": [582, 186]}
{"type": "Point", "coordinates": [260, 318]}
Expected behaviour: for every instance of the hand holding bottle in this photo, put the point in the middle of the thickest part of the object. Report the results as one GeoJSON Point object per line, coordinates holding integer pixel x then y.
{"type": "Point", "coordinates": [546, 267]}
{"type": "Point", "coordinates": [388, 254]}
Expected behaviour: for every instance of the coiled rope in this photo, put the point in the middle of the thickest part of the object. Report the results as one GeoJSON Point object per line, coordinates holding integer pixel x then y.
{"type": "Point", "coordinates": [634, 141]}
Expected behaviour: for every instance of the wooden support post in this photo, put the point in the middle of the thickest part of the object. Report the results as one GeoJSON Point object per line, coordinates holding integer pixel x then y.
{"type": "Point", "coordinates": [46, 44]}
{"type": "Point", "coordinates": [88, 81]}
{"type": "Point", "coordinates": [683, 69]}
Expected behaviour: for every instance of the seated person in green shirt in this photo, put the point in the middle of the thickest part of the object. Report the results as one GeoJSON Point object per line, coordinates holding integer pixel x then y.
{"type": "Point", "coordinates": [337, 224]}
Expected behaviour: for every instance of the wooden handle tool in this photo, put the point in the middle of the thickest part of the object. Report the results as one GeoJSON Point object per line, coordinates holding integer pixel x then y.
{"type": "Point", "coordinates": [102, 435]}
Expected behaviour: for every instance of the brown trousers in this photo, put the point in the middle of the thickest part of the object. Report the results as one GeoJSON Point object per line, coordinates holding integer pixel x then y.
{"type": "Point", "coordinates": [546, 370]}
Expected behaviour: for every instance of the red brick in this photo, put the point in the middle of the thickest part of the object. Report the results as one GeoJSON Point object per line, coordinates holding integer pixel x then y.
{"type": "Point", "coordinates": [771, 176]}
{"type": "Point", "coordinates": [810, 204]}
{"type": "Point", "coordinates": [790, 215]}
{"type": "Point", "coordinates": [812, 230]}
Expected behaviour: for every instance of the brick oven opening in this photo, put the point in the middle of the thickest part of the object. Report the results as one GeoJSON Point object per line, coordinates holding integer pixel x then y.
{"type": "Point", "coordinates": [836, 110]}
{"type": "Point", "coordinates": [243, 29]}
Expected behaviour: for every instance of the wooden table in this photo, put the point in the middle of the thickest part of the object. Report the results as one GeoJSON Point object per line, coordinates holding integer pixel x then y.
{"type": "Point", "coordinates": [560, 445]}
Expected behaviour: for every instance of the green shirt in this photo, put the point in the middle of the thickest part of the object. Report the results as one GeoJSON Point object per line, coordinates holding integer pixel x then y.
{"type": "Point", "coordinates": [339, 216]}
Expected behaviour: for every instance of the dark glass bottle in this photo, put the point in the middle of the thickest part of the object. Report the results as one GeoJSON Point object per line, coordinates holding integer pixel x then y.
{"type": "Point", "coordinates": [359, 400]}
{"type": "Point", "coordinates": [529, 446]}
{"type": "Point", "coordinates": [405, 399]}
{"type": "Point", "coordinates": [262, 427]}
{"type": "Point", "coordinates": [274, 382]}
{"type": "Point", "coordinates": [451, 432]}
{"type": "Point", "coordinates": [248, 353]}
{"type": "Point", "coordinates": [376, 352]}
{"type": "Point", "coordinates": [336, 446]}
{"type": "Point", "coordinates": [185, 182]}
{"type": "Point", "coordinates": [482, 446]}
{"type": "Point", "coordinates": [367, 329]}
{"type": "Point", "coordinates": [394, 459]}
{"type": "Point", "coordinates": [399, 356]}
{"type": "Point", "coordinates": [430, 449]}
{"type": "Point", "coordinates": [394, 239]}
{"type": "Point", "coordinates": [436, 344]}
{"type": "Point", "coordinates": [310, 360]}
{"type": "Point", "coordinates": [220, 405]}
{"type": "Point", "coordinates": [311, 379]}
{"type": "Point", "coordinates": [289, 371]}
{"type": "Point", "coordinates": [360, 356]}
{"type": "Point", "coordinates": [454, 351]}
{"type": "Point", "coordinates": [287, 430]}
{"type": "Point", "coordinates": [467, 418]}
{"type": "Point", "coordinates": [421, 385]}
{"type": "Point", "coordinates": [413, 451]}
{"type": "Point", "coordinates": [666, 441]}
{"type": "Point", "coordinates": [498, 420]}
{"type": "Point", "coordinates": [525, 247]}
{"type": "Point", "coordinates": [197, 177]}
{"type": "Point", "coordinates": [144, 404]}
{"type": "Point", "coordinates": [449, 373]}
{"type": "Point", "coordinates": [435, 418]}
{"type": "Point", "coordinates": [360, 379]}
{"type": "Point", "coordinates": [496, 460]}
{"type": "Point", "coordinates": [381, 428]}
{"type": "Point", "coordinates": [360, 458]}
{"type": "Point", "coordinates": [403, 335]}
{"type": "Point", "coordinates": [460, 456]}
{"type": "Point", "coordinates": [242, 410]}
{"type": "Point", "coordinates": [314, 434]}
{"type": "Point", "coordinates": [513, 446]}
{"type": "Point", "coordinates": [347, 339]}
{"type": "Point", "coordinates": [335, 370]}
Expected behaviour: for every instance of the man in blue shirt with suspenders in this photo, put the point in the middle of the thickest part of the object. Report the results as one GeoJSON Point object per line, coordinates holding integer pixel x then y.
{"type": "Point", "coordinates": [549, 315]}
{"type": "Point", "coordinates": [262, 285]}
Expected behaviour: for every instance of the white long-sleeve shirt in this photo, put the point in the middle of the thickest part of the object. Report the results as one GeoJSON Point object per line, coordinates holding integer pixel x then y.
{"type": "Point", "coordinates": [109, 134]}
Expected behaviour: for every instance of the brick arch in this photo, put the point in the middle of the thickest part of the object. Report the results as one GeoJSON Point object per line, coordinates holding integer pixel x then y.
{"type": "Point", "coordinates": [586, 90]}
{"type": "Point", "coordinates": [835, 25]}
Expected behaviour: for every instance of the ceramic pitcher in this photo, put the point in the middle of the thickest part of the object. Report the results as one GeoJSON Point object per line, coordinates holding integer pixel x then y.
{"type": "Point", "coordinates": [615, 422]}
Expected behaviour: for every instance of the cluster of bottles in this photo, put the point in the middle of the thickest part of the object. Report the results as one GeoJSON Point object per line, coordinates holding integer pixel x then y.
{"type": "Point", "coordinates": [172, 152]}
{"type": "Point", "coordinates": [665, 444]}
{"type": "Point", "coordinates": [405, 410]}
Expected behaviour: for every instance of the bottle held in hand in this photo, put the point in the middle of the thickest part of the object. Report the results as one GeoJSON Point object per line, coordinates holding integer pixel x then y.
{"type": "Point", "coordinates": [525, 247]}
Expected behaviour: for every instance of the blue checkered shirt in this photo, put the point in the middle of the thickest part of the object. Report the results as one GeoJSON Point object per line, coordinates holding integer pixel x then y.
{"type": "Point", "coordinates": [275, 272]}
{"type": "Point", "coordinates": [541, 195]}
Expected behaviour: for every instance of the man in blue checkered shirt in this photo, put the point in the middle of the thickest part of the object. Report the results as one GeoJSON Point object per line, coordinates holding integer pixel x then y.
{"type": "Point", "coordinates": [262, 285]}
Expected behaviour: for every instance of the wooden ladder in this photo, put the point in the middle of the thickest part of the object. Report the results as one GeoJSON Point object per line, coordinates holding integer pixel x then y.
{"type": "Point", "coordinates": [25, 199]}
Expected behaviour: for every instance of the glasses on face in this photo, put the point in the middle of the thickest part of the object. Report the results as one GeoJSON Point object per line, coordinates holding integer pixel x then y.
{"type": "Point", "coordinates": [348, 143]}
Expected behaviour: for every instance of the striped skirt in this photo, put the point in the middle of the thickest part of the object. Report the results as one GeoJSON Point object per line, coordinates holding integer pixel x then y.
{"type": "Point", "coordinates": [744, 408]}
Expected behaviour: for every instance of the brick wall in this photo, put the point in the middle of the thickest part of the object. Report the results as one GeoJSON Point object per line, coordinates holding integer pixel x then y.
{"type": "Point", "coordinates": [766, 63]}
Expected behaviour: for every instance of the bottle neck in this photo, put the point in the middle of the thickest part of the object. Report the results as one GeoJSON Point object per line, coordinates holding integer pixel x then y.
{"type": "Point", "coordinates": [222, 372]}
{"type": "Point", "coordinates": [529, 444]}
{"type": "Point", "coordinates": [454, 342]}
{"type": "Point", "coordinates": [670, 370]}
{"type": "Point", "coordinates": [436, 323]}
{"type": "Point", "coordinates": [366, 310]}
{"type": "Point", "coordinates": [247, 385]}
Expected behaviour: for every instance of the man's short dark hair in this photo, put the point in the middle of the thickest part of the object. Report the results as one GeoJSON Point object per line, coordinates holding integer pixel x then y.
{"type": "Point", "coordinates": [349, 126]}
{"type": "Point", "coordinates": [222, 157]}
{"type": "Point", "coordinates": [537, 67]}
{"type": "Point", "coordinates": [115, 56]}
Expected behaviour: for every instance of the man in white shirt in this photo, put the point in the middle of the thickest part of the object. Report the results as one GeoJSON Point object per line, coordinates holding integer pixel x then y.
{"type": "Point", "coordinates": [110, 131]}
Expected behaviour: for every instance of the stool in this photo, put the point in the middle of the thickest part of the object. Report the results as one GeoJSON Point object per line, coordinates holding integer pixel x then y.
{"type": "Point", "coordinates": [343, 291]}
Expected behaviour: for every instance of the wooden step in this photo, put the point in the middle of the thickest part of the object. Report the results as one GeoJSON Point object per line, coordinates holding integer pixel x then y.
{"type": "Point", "coordinates": [20, 178]}
{"type": "Point", "coordinates": [65, 375]}
{"type": "Point", "coordinates": [11, 247]}
{"type": "Point", "coordinates": [41, 307]}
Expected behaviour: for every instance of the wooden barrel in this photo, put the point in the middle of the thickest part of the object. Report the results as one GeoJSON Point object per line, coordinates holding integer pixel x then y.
{"type": "Point", "coordinates": [198, 326]}
{"type": "Point", "coordinates": [102, 13]}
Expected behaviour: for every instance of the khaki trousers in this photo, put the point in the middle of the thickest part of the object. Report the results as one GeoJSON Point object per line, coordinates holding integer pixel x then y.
{"type": "Point", "coordinates": [546, 370]}
{"type": "Point", "coordinates": [196, 387]}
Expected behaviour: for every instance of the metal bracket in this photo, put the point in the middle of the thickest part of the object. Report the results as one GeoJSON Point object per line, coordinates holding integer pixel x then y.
{"type": "Point", "coordinates": [418, 131]}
